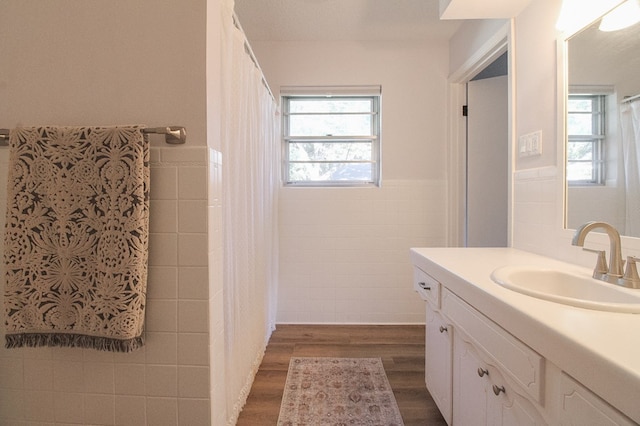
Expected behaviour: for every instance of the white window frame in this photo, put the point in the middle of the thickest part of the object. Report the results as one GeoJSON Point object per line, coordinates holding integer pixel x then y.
{"type": "Point", "coordinates": [597, 138]}
{"type": "Point", "coordinates": [358, 92]}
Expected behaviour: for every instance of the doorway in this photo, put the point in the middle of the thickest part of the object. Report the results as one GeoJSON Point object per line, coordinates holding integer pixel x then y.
{"type": "Point", "coordinates": [459, 177]}
{"type": "Point", "coordinates": [487, 147]}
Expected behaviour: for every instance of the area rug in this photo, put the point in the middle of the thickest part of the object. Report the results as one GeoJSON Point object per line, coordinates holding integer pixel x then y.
{"type": "Point", "coordinates": [338, 392]}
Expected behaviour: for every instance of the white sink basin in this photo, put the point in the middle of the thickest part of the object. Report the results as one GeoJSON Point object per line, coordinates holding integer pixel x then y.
{"type": "Point", "coordinates": [569, 288]}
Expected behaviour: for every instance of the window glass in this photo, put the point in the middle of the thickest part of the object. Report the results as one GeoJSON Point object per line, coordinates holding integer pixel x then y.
{"type": "Point", "coordinates": [331, 140]}
{"type": "Point", "coordinates": [330, 151]}
{"type": "Point", "coordinates": [586, 136]}
{"type": "Point", "coordinates": [330, 125]}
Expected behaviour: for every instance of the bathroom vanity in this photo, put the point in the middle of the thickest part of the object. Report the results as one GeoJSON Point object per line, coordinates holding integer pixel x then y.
{"type": "Point", "coordinates": [496, 356]}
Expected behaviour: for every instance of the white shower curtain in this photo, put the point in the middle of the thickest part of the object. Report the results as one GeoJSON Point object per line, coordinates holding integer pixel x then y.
{"type": "Point", "coordinates": [630, 120]}
{"type": "Point", "coordinates": [250, 161]}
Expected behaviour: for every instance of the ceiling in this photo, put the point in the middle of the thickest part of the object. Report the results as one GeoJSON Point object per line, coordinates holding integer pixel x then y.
{"type": "Point", "coordinates": [343, 20]}
{"type": "Point", "coordinates": [598, 57]}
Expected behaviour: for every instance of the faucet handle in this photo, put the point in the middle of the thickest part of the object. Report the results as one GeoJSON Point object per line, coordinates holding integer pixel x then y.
{"type": "Point", "coordinates": [631, 278]}
{"type": "Point", "coordinates": [601, 264]}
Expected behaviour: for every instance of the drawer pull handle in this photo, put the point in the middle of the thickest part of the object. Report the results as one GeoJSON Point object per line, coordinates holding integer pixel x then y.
{"type": "Point", "coordinates": [424, 286]}
{"type": "Point", "coordinates": [497, 389]}
{"type": "Point", "coordinates": [443, 329]}
{"type": "Point", "coordinates": [482, 372]}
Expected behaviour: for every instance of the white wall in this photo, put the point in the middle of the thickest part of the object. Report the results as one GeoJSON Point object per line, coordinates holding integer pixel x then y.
{"type": "Point", "coordinates": [535, 68]}
{"type": "Point", "coordinates": [469, 39]}
{"type": "Point", "coordinates": [344, 252]}
{"type": "Point", "coordinates": [119, 62]}
{"type": "Point", "coordinates": [537, 108]}
{"type": "Point", "coordinates": [537, 181]}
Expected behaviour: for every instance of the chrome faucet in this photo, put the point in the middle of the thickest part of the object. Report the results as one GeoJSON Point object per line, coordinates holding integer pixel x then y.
{"type": "Point", "coordinates": [613, 273]}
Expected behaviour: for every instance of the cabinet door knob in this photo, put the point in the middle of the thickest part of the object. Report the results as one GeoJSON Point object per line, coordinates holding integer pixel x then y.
{"type": "Point", "coordinates": [443, 329]}
{"type": "Point", "coordinates": [497, 389]}
{"type": "Point", "coordinates": [424, 286]}
{"type": "Point", "coordinates": [482, 372]}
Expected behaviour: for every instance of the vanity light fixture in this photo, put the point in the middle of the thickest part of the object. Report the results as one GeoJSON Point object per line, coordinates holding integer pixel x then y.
{"type": "Point", "coordinates": [623, 16]}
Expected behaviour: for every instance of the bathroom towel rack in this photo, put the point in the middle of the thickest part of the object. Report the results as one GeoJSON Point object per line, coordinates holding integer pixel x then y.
{"type": "Point", "coordinates": [174, 135]}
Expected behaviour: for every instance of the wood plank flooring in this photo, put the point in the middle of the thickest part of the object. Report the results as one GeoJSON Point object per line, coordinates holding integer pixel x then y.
{"type": "Point", "coordinates": [401, 349]}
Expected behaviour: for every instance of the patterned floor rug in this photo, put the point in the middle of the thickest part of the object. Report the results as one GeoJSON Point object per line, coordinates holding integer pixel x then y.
{"type": "Point", "coordinates": [338, 392]}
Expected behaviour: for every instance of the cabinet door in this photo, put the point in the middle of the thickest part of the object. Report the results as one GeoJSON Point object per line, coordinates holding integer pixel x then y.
{"type": "Point", "coordinates": [469, 388]}
{"type": "Point", "coordinates": [506, 407]}
{"type": "Point", "coordinates": [438, 361]}
{"type": "Point", "coordinates": [481, 395]}
{"type": "Point", "coordinates": [581, 407]}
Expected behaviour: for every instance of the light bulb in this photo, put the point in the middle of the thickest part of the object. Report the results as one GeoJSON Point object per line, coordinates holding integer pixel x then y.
{"type": "Point", "coordinates": [575, 14]}
{"type": "Point", "coordinates": [623, 16]}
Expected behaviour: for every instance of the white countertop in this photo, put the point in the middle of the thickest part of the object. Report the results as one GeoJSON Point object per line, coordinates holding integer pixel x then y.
{"type": "Point", "coordinates": [599, 349]}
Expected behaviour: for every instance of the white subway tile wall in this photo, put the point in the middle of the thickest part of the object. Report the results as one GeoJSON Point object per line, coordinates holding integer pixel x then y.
{"type": "Point", "coordinates": [167, 381]}
{"type": "Point", "coordinates": [538, 204]}
{"type": "Point", "coordinates": [344, 252]}
{"type": "Point", "coordinates": [534, 209]}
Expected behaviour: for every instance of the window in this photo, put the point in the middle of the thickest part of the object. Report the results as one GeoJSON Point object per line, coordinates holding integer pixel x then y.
{"type": "Point", "coordinates": [331, 136]}
{"type": "Point", "coordinates": [586, 131]}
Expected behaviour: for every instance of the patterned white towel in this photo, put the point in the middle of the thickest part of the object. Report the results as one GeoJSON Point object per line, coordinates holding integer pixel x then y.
{"type": "Point", "coordinates": [76, 237]}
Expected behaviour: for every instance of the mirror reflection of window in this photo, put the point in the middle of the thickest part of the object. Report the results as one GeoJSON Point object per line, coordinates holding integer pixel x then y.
{"type": "Point", "coordinates": [598, 185]}
{"type": "Point", "coordinates": [586, 139]}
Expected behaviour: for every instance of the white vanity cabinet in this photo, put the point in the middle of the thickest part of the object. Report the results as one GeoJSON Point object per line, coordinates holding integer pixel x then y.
{"type": "Point", "coordinates": [438, 357]}
{"type": "Point", "coordinates": [463, 378]}
{"type": "Point", "coordinates": [507, 359]}
{"type": "Point", "coordinates": [497, 380]}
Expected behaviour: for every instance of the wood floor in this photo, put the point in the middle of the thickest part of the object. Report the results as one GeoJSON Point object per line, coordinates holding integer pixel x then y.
{"type": "Point", "coordinates": [401, 349]}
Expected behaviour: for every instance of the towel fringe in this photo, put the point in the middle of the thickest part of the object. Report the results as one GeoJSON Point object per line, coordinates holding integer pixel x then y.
{"type": "Point", "coordinates": [73, 340]}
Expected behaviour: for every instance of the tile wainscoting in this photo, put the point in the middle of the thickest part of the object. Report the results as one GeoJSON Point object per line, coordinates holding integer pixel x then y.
{"type": "Point", "coordinates": [344, 252]}
{"type": "Point", "coordinates": [167, 381]}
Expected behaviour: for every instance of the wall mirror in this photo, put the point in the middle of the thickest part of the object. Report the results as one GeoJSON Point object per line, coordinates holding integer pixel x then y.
{"type": "Point", "coordinates": [602, 132]}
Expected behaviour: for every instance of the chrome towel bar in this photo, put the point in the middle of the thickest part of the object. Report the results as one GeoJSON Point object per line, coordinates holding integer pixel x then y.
{"type": "Point", "coordinates": [174, 135]}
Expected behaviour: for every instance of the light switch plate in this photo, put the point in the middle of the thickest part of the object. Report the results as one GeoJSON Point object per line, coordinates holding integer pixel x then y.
{"type": "Point", "coordinates": [530, 144]}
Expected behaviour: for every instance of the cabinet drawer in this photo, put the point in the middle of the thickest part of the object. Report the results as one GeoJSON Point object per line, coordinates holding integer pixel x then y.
{"type": "Point", "coordinates": [522, 363]}
{"type": "Point", "coordinates": [427, 287]}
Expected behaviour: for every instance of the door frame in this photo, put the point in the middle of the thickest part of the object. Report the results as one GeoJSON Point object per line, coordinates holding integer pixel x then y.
{"type": "Point", "coordinates": [500, 42]}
